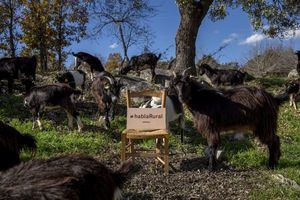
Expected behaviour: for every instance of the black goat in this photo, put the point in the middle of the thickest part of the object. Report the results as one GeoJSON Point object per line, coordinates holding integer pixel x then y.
{"type": "Point", "coordinates": [241, 108]}
{"type": "Point", "coordinates": [106, 91]}
{"type": "Point", "coordinates": [67, 177]}
{"type": "Point", "coordinates": [52, 95]}
{"type": "Point", "coordinates": [94, 62]}
{"type": "Point", "coordinates": [22, 68]}
{"type": "Point", "coordinates": [11, 144]}
{"type": "Point", "coordinates": [292, 88]}
{"type": "Point", "coordinates": [298, 64]}
{"type": "Point", "coordinates": [222, 77]}
{"type": "Point", "coordinates": [141, 62]}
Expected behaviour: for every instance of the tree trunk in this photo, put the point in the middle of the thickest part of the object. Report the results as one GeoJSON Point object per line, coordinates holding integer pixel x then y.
{"type": "Point", "coordinates": [12, 48]}
{"type": "Point", "coordinates": [60, 37]}
{"type": "Point", "coordinates": [192, 14]}
{"type": "Point", "coordinates": [125, 49]}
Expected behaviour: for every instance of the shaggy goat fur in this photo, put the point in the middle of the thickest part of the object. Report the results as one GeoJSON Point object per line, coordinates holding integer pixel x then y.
{"type": "Point", "coordinates": [68, 177]}
{"type": "Point", "coordinates": [11, 143]}
{"type": "Point", "coordinates": [241, 108]}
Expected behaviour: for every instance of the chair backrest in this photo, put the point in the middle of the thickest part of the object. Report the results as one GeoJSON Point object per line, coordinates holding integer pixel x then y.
{"type": "Point", "coordinates": [146, 118]}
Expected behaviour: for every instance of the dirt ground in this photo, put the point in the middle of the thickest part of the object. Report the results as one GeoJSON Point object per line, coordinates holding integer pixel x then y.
{"type": "Point", "coordinates": [189, 179]}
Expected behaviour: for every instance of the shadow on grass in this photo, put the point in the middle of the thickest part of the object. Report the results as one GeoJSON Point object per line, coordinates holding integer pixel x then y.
{"type": "Point", "coordinates": [285, 163]}
{"type": "Point", "coordinates": [200, 163]}
{"type": "Point", "coordinates": [11, 106]}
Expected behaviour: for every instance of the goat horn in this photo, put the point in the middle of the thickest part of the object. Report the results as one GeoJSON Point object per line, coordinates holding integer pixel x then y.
{"type": "Point", "coordinates": [185, 71]}
{"type": "Point", "coordinates": [174, 74]}
{"type": "Point", "coordinates": [109, 79]}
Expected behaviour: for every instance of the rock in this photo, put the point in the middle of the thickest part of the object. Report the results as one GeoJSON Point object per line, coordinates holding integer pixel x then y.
{"type": "Point", "coordinates": [293, 74]}
{"type": "Point", "coordinates": [286, 181]}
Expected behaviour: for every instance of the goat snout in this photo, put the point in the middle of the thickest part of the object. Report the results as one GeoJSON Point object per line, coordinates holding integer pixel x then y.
{"type": "Point", "coordinates": [26, 103]}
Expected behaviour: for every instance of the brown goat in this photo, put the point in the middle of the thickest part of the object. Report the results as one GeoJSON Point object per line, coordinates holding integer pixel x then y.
{"type": "Point", "coordinates": [68, 177]}
{"type": "Point", "coordinates": [11, 144]}
{"type": "Point", "coordinates": [241, 108]}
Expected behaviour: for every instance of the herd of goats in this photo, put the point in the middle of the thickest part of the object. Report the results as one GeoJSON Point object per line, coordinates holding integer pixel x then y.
{"type": "Point", "coordinates": [214, 110]}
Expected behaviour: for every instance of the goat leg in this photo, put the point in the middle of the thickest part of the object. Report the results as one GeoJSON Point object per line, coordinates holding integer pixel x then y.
{"type": "Point", "coordinates": [70, 121]}
{"type": "Point", "coordinates": [33, 122]}
{"type": "Point", "coordinates": [107, 123]}
{"type": "Point", "coordinates": [79, 123]}
{"type": "Point", "coordinates": [294, 102]}
{"type": "Point", "coordinates": [212, 158]}
{"type": "Point", "coordinates": [10, 83]}
{"type": "Point", "coordinates": [213, 143]}
{"type": "Point", "coordinates": [39, 124]}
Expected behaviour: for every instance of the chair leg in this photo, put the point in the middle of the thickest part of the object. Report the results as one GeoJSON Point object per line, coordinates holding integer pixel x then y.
{"type": "Point", "coordinates": [158, 142]}
{"type": "Point", "coordinates": [123, 147]}
{"type": "Point", "coordinates": [131, 148]}
{"type": "Point", "coordinates": [166, 155]}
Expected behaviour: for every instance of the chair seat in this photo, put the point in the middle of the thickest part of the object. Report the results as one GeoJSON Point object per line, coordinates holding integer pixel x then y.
{"type": "Point", "coordinates": [143, 134]}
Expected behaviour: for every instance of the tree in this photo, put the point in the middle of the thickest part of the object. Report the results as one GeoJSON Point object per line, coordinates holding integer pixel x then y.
{"type": "Point", "coordinates": [273, 17]}
{"type": "Point", "coordinates": [37, 29]}
{"type": "Point", "coordinates": [270, 60]}
{"type": "Point", "coordinates": [9, 26]}
{"type": "Point", "coordinates": [114, 61]}
{"type": "Point", "coordinates": [69, 19]}
{"type": "Point", "coordinates": [124, 20]}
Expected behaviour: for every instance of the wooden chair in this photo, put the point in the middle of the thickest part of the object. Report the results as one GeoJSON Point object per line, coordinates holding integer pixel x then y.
{"type": "Point", "coordinates": [161, 136]}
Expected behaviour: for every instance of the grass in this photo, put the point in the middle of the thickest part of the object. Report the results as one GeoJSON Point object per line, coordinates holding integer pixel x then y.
{"type": "Point", "coordinates": [55, 140]}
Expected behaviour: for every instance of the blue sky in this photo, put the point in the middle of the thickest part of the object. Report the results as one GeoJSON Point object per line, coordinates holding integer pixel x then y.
{"type": "Point", "coordinates": [235, 30]}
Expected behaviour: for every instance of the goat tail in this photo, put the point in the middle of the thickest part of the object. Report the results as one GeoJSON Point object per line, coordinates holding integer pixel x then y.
{"type": "Point", "coordinates": [28, 142]}
{"type": "Point", "coordinates": [281, 98]}
{"type": "Point", "coordinates": [125, 172]}
{"type": "Point", "coordinates": [74, 54]}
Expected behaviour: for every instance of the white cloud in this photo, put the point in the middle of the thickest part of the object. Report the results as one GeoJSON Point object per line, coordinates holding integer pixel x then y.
{"type": "Point", "coordinates": [253, 39]}
{"type": "Point", "coordinates": [292, 34]}
{"type": "Point", "coordinates": [113, 46]}
{"type": "Point", "coordinates": [230, 38]}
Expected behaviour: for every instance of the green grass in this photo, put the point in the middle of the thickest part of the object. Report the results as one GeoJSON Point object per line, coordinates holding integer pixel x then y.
{"type": "Point", "coordinates": [55, 140]}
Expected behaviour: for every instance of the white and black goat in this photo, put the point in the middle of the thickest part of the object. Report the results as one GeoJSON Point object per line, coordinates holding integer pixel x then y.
{"type": "Point", "coordinates": [94, 62]}
{"type": "Point", "coordinates": [52, 95]}
{"type": "Point", "coordinates": [106, 91]}
{"type": "Point", "coordinates": [240, 108]}
{"type": "Point", "coordinates": [68, 177]}
{"type": "Point", "coordinates": [74, 78]}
